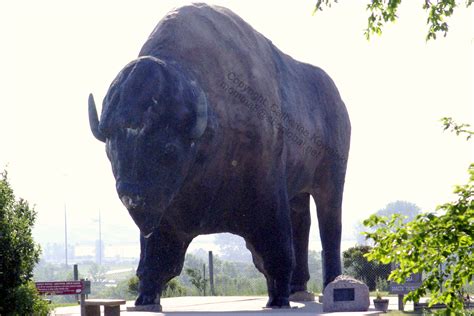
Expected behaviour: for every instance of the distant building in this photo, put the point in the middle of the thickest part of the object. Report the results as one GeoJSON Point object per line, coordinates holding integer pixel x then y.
{"type": "Point", "coordinates": [55, 252]}
{"type": "Point", "coordinates": [122, 251]}
{"type": "Point", "coordinates": [84, 252]}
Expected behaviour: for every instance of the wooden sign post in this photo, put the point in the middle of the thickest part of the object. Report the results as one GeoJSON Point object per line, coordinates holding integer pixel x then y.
{"type": "Point", "coordinates": [412, 283]}
{"type": "Point", "coordinates": [81, 287]}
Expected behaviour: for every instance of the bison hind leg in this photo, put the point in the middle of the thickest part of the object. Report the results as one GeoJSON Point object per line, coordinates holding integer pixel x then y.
{"type": "Point", "coordinates": [272, 253]}
{"type": "Point", "coordinates": [275, 300]}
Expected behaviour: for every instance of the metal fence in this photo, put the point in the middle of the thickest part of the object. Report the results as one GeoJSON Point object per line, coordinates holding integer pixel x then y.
{"type": "Point", "coordinates": [374, 275]}
{"type": "Point", "coordinates": [242, 278]}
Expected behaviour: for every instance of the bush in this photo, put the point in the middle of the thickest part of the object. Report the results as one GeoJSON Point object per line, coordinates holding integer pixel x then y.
{"type": "Point", "coordinates": [438, 244]}
{"type": "Point", "coordinates": [357, 265]}
{"type": "Point", "coordinates": [133, 285]}
{"type": "Point", "coordinates": [172, 289]}
{"type": "Point", "coordinates": [18, 295]}
{"type": "Point", "coordinates": [28, 301]}
{"type": "Point", "coordinates": [121, 290]}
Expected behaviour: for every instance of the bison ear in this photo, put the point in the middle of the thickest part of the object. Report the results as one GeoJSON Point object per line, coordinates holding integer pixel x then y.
{"type": "Point", "coordinates": [200, 122]}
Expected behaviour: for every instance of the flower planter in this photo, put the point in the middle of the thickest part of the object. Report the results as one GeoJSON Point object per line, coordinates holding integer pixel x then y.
{"type": "Point", "coordinates": [381, 304]}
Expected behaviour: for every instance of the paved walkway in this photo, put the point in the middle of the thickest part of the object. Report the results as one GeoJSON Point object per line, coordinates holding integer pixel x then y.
{"type": "Point", "coordinates": [227, 306]}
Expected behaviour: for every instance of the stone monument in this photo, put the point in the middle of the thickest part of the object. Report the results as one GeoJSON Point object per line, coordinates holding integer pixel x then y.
{"type": "Point", "coordinates": [346, 294]}
{"type": "Point", "coordinates": [213, 129]}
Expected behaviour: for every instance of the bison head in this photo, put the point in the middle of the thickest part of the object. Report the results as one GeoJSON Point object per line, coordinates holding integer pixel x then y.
{"type": "Point", "coordinates": [151, 117]}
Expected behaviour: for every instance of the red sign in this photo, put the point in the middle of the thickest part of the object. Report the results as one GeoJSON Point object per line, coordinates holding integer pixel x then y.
{"type": "Point", "coordinates": [60, 287]}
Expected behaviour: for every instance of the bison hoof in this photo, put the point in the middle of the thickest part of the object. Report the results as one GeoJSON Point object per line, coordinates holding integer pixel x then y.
{"type": "Point", "coordinates": [145, 308]}
{"type": "Point", "coordinates": [147, 299]}
{"type": "Point", "coordinates": [302, 296]}
{"type": "Point", "coordinates": [297, 288]}
{"type": "Point", "coordinates": [278, 302]}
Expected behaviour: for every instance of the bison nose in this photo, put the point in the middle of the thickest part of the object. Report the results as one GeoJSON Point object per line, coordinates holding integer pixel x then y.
{"type": "Point", "coordinates": [131, 203]}
{"type": "Point", "coordinates": [130, 195]}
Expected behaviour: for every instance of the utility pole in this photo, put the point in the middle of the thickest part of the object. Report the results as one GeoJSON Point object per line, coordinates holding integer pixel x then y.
{"type": "Point", "coordinates": [76, 277]}
{"type": "Point", "coordinates": [204, 278]}
{"type": "Point", "coordinates": [100, 240]}
{"type": "Point", "coordinates": [65, 232]}
{"type": "Point", "coordinates": [211, 273]}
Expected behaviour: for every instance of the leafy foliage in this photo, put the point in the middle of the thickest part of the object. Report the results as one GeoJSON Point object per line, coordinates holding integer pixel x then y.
{"type": "Point", "coordinates": [132, 285]}
{"type": "Point", "coordinates": [440, 244]}
{"type": "Point", "coordinates": [230, 278]}
{"type": "Point", "coordinates": [459, 129]}
{"type": "Point", "coordinates": [197, 279]}
{"type": "Point", "coordinates": [19, 254]}
{"type": "Point", "coordinates": [232, 247]}
{"type": "Point", "coordinates": [28, 302]}
{"type": "Point", "coordinates": [315, 284]}
{"type": "Point", "coordinates": [120, 291]}
{"type": "Point", "coordinates": [172, 289]}
{"type": "Point", "coordinates": [46, 271]}
{"type": "Point", "coordinates": [357, 265]}
{"type": "Point", "coordinates": [383, 11]}
{"type": "Point", "coordinates": [97, 273]}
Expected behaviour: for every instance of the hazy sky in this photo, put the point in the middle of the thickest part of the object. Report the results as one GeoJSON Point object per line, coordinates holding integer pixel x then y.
{"type": "Point", "coordinates": [396, 88]}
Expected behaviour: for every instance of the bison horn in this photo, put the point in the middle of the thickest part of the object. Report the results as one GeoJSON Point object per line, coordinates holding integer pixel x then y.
{"type": "Point", "coordinates": [94, 120]}
{"type": "Point", "coordinates": [200, 123]}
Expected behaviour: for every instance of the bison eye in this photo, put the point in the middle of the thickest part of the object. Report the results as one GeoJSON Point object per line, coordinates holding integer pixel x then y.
{"type": "Point", "coordinates": [169, 153]}
{"type": "Point", "coordinates": [169, 149]}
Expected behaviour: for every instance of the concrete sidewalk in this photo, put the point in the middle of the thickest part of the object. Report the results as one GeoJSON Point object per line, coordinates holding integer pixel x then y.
{"type": "Point", "coordinates": [222, 305]}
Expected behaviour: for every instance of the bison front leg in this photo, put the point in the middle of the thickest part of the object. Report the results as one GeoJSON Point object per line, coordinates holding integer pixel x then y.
{"type": "Point", "coordinates": [147, 272]}
{"type": "Point", "coordinates": [161, 259]}
{"type": "Point", "coordinates": [301, 223]}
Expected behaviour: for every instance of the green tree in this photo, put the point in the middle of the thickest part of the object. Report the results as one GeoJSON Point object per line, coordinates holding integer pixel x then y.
{"type": "Point", "coordinates": [197, 280]}
{"type": "Point", "coordinates": [407, 209]}
{"type": "Point", "coordinates": [119, 291]}
{"type": "Point", "coordinates": [232, 247]}
{"type": "Point", "coordinates": [316, 271]}
{"type": "Point", "coordinates": [383, 11]}
{"type": "Point", "coordinates": [97, 273]}
{"type": "Point", "coordinates": [19, 254]}
{"type": "Point", "coordinates": [46, 271]}
{"type": "Point", "coordinates": [133, 284]}
{"type": "Point", "coordinates": [439, 244]}
{"type": "Point", "coordinates": [172, 289]}
{"type": "Point", "coordinates": [459, 129]}
{"type": "Point", "coordinates": [356, 264]}
{"type": "Point", "coordinates": [193, 262]}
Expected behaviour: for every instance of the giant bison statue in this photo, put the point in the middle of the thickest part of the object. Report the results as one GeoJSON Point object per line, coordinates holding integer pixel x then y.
{"type": "Point", "coordinates": [213, 129]}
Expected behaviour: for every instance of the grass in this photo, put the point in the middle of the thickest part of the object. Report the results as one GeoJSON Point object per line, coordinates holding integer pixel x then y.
{"type": "Point", "coordinates": [55, 305]}
{"type": "Point", "coordinates": [383, 293]}
{"type": "Point", "coordinates": [426, 313]}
